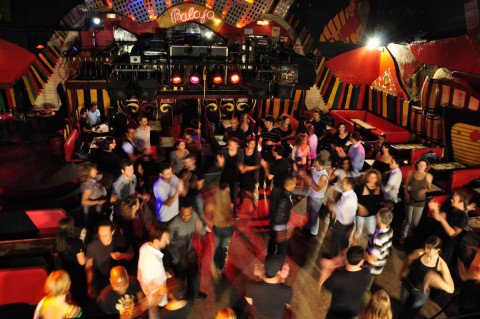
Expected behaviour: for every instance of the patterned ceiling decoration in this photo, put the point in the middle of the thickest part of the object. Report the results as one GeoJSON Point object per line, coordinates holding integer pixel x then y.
{"type": "Point", "coordinates": [235, 12]}
{"type": "Point", "coordinates": [94, 4]}
{"type": "Point", "coordinates": [254, 11]}
{"type": "Point", "coordinates": [282, 8]}
{"type": "Point", "coordinates": [139, 11]}
{"type": "Point", "coordinates": [348, 25]}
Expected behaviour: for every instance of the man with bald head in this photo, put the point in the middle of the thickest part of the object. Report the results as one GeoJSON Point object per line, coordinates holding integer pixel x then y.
{"type": "Point", "coordinates": [122, 294]}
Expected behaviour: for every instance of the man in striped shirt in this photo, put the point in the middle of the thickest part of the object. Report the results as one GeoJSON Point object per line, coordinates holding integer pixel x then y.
{"type": "Point", "coordinates": [378, 247]}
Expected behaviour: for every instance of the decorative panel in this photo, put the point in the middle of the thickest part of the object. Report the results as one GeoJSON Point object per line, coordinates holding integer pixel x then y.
{"type": "Point", "coordinates": [175, 2]}
{"type": "Point", "coordinates": [160, 6]}
{"type": "Point", "coordinates": [282, 8]}
{"type": "Point", "coordinates": [121, 6]}
{"type": "Point", "coordinates": [219, 6]}
{"type": "Point", "coordinates": [139, 11]}
{"type": "Point", "coordinates": [94, 4]}
{"type": "Point", "coordinates": [234, 13]}
{"type": "Point", "coordinates": [203, 2]}
{"type": "Point", "coordinates": [255, 11]}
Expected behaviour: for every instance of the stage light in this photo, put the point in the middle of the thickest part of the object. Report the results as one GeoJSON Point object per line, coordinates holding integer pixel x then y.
{"type": "Point", "coordinates": [40, 46]}
{"type": "Point", "coordinates": [96, 20]}
{"type": "Point", "coordinates": [235, 78]}
{"type": "Point", "coordinates": [177, 79]}
{"type": "Point", "coordinates": [373, 43]}
{"type": "Point", "coordinates": [208, 34]}
{"type": "Point", "coordinates": [194, 79]}
{"type": "Point", "coordinates": [217, 79]}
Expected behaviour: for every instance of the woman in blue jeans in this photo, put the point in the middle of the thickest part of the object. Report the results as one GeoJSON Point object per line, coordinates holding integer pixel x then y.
{"type": "Point", "coordinates": [426, 270]}
{"type": "Point", "coordinates": [223, 227]}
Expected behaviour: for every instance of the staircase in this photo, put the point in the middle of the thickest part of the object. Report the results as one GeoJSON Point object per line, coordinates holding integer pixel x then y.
{"type": "Point", "coordinates": [314, 100]}
{"type": "Point", "coordinates": [60, 74]}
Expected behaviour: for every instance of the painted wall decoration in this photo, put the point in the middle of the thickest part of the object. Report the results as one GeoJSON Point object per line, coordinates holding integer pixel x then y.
{"type": "Point", "coordinates": [463, 135]}
{"type": "Point", "coordinates": [348, 25]}
{"type": "Point", "coordinates": [35, 75]}
{"type": "Point", "coordinates": [385, 82]}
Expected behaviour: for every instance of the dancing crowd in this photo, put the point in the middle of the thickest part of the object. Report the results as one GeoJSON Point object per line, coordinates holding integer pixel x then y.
{"type": "Point", "coordinates": [133, 250]}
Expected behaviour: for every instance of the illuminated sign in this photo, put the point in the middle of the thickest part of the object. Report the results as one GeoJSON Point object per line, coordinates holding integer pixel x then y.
{"type": "Point", "coordinates": [178, 16]}
{"type": "Point", "coordinates": [190, 12]}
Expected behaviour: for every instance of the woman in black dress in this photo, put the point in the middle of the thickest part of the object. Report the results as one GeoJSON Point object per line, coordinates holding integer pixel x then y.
{"type": "Point", "coordinates": [369, 194]}
{"type": "Point", "coordinates": [71, 251]}
{"type": "Point", "coordinates": [250, 173]}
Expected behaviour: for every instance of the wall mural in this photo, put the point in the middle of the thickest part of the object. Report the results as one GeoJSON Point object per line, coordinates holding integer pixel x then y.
{"type": "Point", "coordinates": [348, 25]}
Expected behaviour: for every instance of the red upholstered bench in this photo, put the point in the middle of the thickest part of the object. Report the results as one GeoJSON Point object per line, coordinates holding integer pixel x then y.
{"type": "Point", "coordinates": [462, 177]}
{"type": "Point", "coordinates": [22, 285]}
{"type": "Point", "coordinates": [416, 154]}
{"type": "Point", "coordinates": [393, 132]}
{"type": "Point", "coordinates": [69, 146]}
{"type": "Point", "coordinates": [46, 220]}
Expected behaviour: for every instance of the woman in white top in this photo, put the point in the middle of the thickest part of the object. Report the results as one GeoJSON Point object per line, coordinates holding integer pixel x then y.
{"type": "Point", "coordinates": [344, 169]}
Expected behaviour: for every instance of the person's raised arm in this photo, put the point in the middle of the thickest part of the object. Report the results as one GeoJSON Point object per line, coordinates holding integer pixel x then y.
{"type": "Point", "coordinates": [443, 282]}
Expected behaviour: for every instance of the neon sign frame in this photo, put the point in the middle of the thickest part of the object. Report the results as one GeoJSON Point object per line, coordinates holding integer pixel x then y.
{"type": "Point", "coordinates": [190, 12]}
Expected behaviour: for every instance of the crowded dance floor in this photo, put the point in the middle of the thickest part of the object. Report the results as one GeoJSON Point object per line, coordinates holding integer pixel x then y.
{"type": "Point", "coordinates": [239, 159]}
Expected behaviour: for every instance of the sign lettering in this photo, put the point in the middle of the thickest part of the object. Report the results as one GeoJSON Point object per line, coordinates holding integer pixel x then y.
{"type": "Point", "coordinates": [177, 16]}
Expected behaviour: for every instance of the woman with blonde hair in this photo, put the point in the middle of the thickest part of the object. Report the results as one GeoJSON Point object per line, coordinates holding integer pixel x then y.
{"type": "Point", "coordinates": [93, 193]}
{"type": "Point", "coordinates": [378, 306]}
{"type": "Point", "coordinates": [55, 305]}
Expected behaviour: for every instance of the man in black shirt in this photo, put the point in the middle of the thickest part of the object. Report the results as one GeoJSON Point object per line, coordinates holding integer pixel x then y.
{"type": "Point", "coordinates": [319, 126]}
{"type": "Point", "coordinates": [121, 295]}
{"type": "Point", "coordinates": [234, 131]}
{"type": "Point", "coordinates": [269, 297]}
{"type": "Point", "coordinates": [228, 160]}
{"type": "Point", "coordinates": [280, 209]}
{"type": "Point", "coordinates": [269, 138]}
{"type": "Point", "coordinates": [85, 127]}
{"type": "Point", "coordinates": [103, 253]}
{"type": "Point", "coordinates": [348, 284]}
{"type": "Point", "coordinates": [452, 223]}
{"type": "Point", "coordinates": [279, 168]}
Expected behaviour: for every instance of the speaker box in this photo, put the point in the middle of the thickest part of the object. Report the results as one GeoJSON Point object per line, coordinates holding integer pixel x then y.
{"type": "Point", "coordinates": [119, 89]}
{"type": "Point", "coordinates": [147, 89]}
{"type": "Point", "coordinates": [258, 90]}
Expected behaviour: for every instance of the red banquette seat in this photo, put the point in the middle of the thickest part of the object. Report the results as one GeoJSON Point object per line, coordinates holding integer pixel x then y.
{"type": "Point", "coordinates": [22, 285]}
{"type": "Point", "coordinates": [46, 220]}
{"type": "Point", "coordinates": [416, 154]}
{"type": "Point", "coordinates": [462, 177]}
{"type": "Point", "coordinates": [70, 145]}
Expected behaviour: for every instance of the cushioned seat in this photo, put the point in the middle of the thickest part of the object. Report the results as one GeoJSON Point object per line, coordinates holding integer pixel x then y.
{"type": "Point", "coordinates": [22, 285]}
{"type": "Point", "coordinates": [46, 220]}
{"type": "Point", "coordinates": [394, 133]}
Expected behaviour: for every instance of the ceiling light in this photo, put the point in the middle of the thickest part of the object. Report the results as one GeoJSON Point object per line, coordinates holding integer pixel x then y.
{"type": "Point", "coordinates": [96, 20]}
{"type": "Point", "coordinates": [373, 43]}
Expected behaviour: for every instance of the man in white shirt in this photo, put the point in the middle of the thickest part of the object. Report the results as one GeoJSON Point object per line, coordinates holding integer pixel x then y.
{"type": "Point", "coordinates": [94, 116]}
{"type": "Point", "coordinates": [142, 134]}
{"type": "Point", "coordinates": [151, 272]}
{"type": "Point", "coordinates": [356, 153]}
{"type": "Point", "coordinates": [344, 211]}
{"type": "Point", "coordinates": [166, 190]}
{"type": "Point", "coordinates": [392, 188]}
{"type": "Point", "coordinates": [318, 184]}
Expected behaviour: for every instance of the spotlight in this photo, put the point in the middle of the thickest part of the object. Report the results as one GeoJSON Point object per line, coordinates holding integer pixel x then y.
{"type": "Point", "coordinates": [96, 20]}
{"type": "Point", "coordinates": [217, 79]}
{"type": "Point", "coordinates": [95, 23]}
{"type": "Point", "coordinates": [373, 43]}
{"type": "Point", "coordinates": [235, 78]}
{"type": "Point", "coordinates": [40, 46]}
{"type": "Point", "coordinates": [194, 79]}
{"type": "Point", "coordinates": [177, 79]}
{"type": "Point", "coordinates": [208, 34]}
